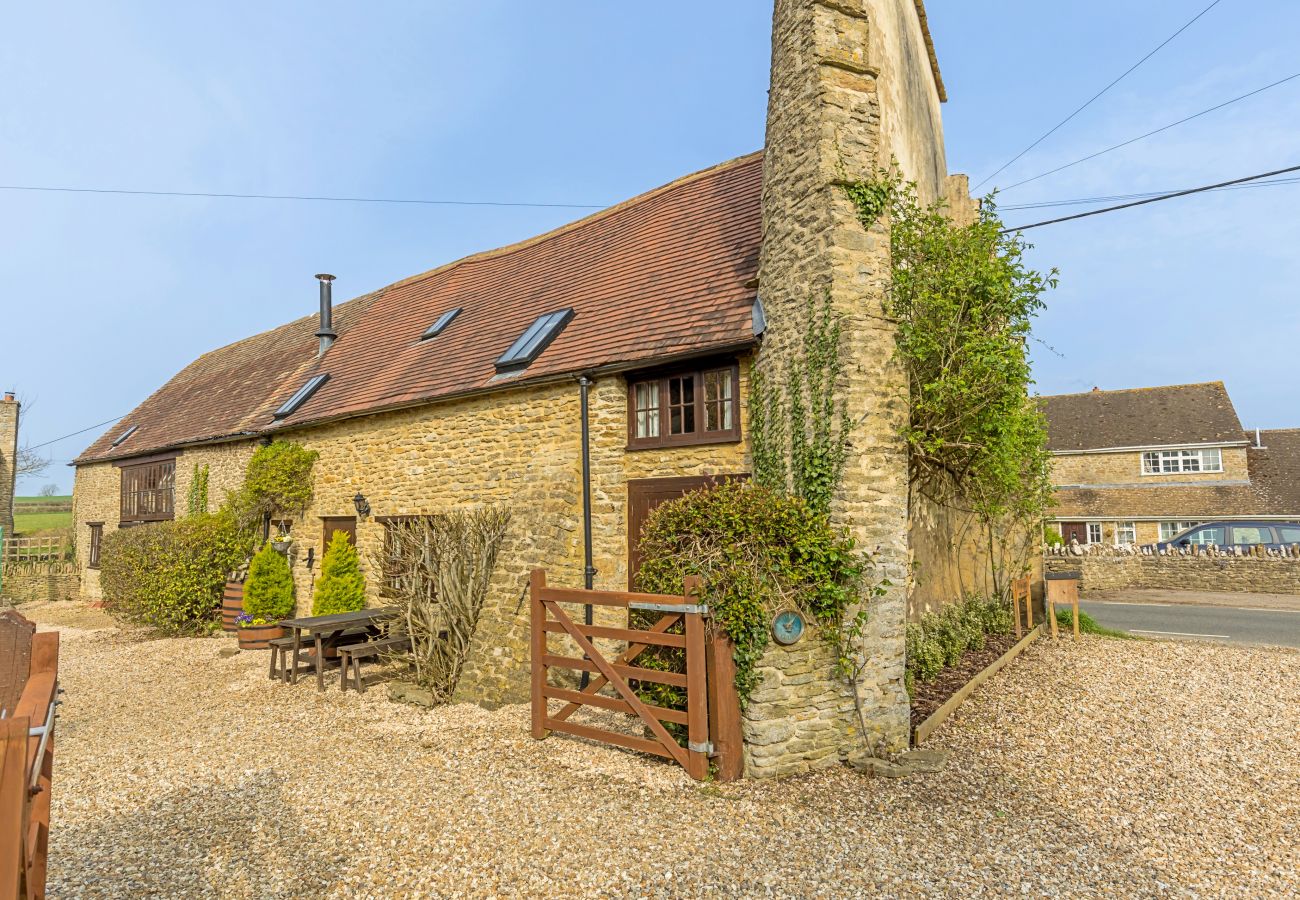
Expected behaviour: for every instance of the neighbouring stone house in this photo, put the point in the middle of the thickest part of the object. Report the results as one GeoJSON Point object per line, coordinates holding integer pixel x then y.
{"type": "Point", "coordinates": [1141, 465]}
{"type": "Point", "coordinates": [461, 385]}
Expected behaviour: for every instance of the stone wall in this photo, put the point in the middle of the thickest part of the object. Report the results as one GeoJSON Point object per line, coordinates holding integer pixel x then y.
{"type": "Point", "coordinates": [9, 408]}
{"type": "Point", "coordinates": [850, 90]}
{"type": "Point", "coordinates": [23, 583]}
{"type": "Point", "coordinates": [1175, 572]}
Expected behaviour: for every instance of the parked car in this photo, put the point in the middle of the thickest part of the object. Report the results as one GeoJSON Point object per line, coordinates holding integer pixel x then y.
{"type": "Point", "coordinates": [1234, 534]}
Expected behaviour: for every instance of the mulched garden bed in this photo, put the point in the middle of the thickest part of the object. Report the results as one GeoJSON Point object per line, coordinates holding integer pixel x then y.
{"type": "Point", "coordinates": [933, 694]}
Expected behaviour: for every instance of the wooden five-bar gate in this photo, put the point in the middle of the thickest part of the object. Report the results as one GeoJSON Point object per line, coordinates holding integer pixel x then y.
{"type": "Point", "coordinates": [712, 714]}
{"type": "Point", "coordinates": [29, 667]}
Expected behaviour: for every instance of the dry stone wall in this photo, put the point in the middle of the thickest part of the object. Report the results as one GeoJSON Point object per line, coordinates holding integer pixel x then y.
{"type": "Point", "coordinates": [1113, 571]}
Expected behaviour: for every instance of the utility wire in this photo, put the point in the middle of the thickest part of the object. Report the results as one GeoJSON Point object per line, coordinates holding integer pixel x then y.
{"type": "Point", "coordinates": [1156, 131]}
{"type": "Point", "coordinates": [1080, 201]}
{"type": "Point", "coordinates": [71, 190]}
{"type": "Point", "coordinates": [1195, 190]}
{"type": "Point", "coordinates": [1095, 96]}
{"type": "Point", "coordinates": [75, 433]}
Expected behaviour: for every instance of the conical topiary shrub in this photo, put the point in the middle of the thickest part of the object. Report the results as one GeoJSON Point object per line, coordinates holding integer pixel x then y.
{"type": "Point", "coordinates": [268, 592]}
{"type": "Point", "coordinates": [341, 586]}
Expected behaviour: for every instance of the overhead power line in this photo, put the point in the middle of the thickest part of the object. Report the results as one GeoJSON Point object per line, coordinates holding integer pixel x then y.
{"type": "Point", "coordinates": [75, 433]}
{"type": "Point", "coordinates": [1082, 201]}
{"type": "Point", "coordinates": [309, 197]}
{"type": "Point", "coordinates": [1157, 199]}
{"type": "Point", "coordinates": [1156, 131]}
{"type": "Point", "coordinates": [1097, 95]}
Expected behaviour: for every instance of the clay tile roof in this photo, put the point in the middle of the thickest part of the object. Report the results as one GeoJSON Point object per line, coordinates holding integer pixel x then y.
{"type": "Point", "coordinates": [1275, 469]}
{"type": "Point", "coordinates": [1142, 417]}
{"type": "Point", "coordinates": [664, 275]}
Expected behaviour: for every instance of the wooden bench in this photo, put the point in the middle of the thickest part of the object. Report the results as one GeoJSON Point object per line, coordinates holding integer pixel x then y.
{"type": "Point", "coordinates": [282, 648]}
{"type": "Point", "coordinates": [352, 655]}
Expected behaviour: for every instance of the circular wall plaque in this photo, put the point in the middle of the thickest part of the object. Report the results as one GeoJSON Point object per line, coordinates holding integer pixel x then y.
{"type": "Point", "coordinates": [787, 627]}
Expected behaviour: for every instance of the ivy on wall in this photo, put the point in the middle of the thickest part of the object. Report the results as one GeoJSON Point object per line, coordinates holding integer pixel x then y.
{"type": "Point", "coordinates": [197, 499]}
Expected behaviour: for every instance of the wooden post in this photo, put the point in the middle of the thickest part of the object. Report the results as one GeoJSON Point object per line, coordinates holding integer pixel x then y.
{"type": "Point", "coordinates": [697, 710]}
{"type": "Point", "coordinates": [724, 707]}
{"type": "Point", "coordinates": [537, 622]}
{"type": "Point", "coordinates": [13, 803]}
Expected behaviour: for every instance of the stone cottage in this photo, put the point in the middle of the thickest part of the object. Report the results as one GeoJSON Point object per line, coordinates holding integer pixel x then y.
{"type": "Point", "coordinates": [465, 384]}
{"type": "Point", "coordinates": [1141, 465]}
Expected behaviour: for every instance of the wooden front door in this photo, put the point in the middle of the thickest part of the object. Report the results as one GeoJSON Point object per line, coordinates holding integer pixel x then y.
{"type": "Point", "coordinates": [1077, 531]}
{"type": "Point", "coordinates": [346, 524]}
{"type": "Point", "coordinates": [644, 494]}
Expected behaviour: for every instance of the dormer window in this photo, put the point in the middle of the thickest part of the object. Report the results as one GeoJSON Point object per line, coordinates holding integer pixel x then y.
{"type": "Point", "coordinates": [441, 323]}
{"type": "Point", "coordinates": [536, 338]}
{"type": "Point", "coordinates": [290, 406]}
{"type": "Point", "coordinates": [691, 406]}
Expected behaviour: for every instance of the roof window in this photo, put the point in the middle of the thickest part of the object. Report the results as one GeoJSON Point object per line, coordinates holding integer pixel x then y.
{"type": "Point", "coordinates": [121, 438]}
{"type": "Point", "coordinates": [534, 340]}
{"type": "Point", "coordinates": [304, 393]}
{"type": "Point", "coordinates": [441, 324]}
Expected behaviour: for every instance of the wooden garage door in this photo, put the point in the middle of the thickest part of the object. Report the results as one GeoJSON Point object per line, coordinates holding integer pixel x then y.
{"type": "Point", "coordinates": [644, 494]}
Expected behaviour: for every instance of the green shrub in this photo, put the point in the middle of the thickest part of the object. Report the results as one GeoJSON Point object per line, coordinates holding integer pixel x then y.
{"type": "Point", "coordinates": [278, 481]}
{"type": "Point", "coordinates": [268, 592]}
{"type": "Point", "coordinates": [341, 586]}
{"type": "Point", "coordinates": [169, 575]}
{"type": "Point", "coordinates": [756, 551]}
{"type": "Point", "coordinates": [940, 639]}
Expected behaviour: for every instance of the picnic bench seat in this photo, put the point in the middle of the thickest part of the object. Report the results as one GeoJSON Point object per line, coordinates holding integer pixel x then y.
{"type": "Point", "coordinates": [282, 647]}
{"type": "Point", "coordinates": [352, 654]}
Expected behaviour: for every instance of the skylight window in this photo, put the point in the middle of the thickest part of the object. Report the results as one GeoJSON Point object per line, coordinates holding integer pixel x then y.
{"type": "Point", "coordinates": [302, 396]}
{"type": "Point", "coordinates": [121, 438]}
{"type": "Point", "coordinates": [439, 326]}
{"type": "Point", "coordinates": [534, 340]}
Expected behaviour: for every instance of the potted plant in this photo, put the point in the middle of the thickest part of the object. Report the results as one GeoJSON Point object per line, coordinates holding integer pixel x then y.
{"type": "Point", "coordinates": [282, 540]}
{"type": "Point", "coordinates": [268, 598]}
{"type": "Point", "coordinates": [341, 587]}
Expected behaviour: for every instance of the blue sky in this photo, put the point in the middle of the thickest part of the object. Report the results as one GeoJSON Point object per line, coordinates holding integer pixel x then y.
{"type": "Point", "coordinates": [582, 102]}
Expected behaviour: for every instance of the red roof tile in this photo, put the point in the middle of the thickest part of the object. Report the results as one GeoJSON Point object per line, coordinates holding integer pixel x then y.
{"type": "Point", "coordinates": [666, 274]}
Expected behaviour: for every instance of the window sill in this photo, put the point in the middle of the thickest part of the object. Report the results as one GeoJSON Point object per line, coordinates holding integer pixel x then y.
{"type": "Point", "coordinates": [688, 440]}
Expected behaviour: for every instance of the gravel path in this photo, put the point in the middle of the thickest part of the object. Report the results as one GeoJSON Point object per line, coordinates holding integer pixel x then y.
{"type": "Point", "coordinates": [1116, 768]}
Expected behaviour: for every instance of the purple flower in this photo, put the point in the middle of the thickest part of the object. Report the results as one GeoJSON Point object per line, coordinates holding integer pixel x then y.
{"type": "Point", "coordinates": [243, 620]}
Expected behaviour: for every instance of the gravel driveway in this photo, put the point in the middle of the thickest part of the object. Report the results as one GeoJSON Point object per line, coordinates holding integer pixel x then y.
{"type": "Point", "coordinates": [1107, 768]}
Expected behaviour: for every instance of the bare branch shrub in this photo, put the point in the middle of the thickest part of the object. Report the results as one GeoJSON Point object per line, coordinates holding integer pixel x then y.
{"type": "Point", "coordinates": [436, 572]}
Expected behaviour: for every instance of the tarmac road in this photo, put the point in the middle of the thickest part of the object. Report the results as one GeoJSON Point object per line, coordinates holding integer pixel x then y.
{"type": "Point", "coordinates": [1225, 624]}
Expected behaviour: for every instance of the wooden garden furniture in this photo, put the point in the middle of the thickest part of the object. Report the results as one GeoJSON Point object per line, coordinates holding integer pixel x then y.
{"type": "Point", "coordinates": [325, 632]}
{"type": "Point", "coordinates": [352, 654]}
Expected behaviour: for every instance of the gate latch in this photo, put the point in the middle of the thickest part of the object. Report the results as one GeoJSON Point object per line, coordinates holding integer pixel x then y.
{"type": "Point", "coordinates": [700, 608]}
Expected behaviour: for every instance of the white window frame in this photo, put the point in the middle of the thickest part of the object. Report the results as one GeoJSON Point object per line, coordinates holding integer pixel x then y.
{"type": "Point", "coordinates": [1179, 462]}
{"type": "Point", "coordinates": [1094, 528]}
{"type": "Point", "coordinates": [1170, 530]}
{"type": "Point", "coordinates": [1129, 528]}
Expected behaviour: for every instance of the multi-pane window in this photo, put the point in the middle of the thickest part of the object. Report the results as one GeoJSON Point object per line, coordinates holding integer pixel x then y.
{"type": "Point", "coordinates": [1168, 462]}
{"type": "Point", "coordinates": [1170, 530]}
{"type": "Point", "coordinates": [684, 407]}
{"type": "Point", "coordinates": [96, 535]}
{"type": "Point", "coordinates": [1094, 532]}
{"type": "Point", "coordinates": [1125, 532]}
{"type": "Point", "coordinates": [148, 492]}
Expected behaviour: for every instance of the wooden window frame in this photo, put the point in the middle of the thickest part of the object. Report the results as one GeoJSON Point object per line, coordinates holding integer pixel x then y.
{"type": "Point", "coordinates": [95, 543]}
{"type": "Point", "coordinates": [699, 436]}
{"type": "Point", "coordinates": [130, 469]}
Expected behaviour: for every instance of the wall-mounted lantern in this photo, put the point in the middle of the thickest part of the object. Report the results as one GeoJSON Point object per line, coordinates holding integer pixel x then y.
{"type": "Point", "coordinates": [362, 505]}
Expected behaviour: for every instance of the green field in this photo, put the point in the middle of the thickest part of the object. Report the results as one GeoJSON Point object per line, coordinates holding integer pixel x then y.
{"type": "Point", "coordinates": [42, 518]}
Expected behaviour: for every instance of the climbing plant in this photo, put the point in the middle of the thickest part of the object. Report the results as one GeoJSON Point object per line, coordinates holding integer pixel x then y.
{"type": "Point", "coordinates": [197, 498]}
{"type": "Point", "coordinates": [964, 300]}
{"type": "Point", "coordinates": [800, 435]}
{"type": "Point", "coordinates": [278, 481]}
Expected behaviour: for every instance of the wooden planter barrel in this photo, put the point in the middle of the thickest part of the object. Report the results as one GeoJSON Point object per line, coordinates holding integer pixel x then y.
{"type": "Point", "coordinates": [258, 637]}
{"type": "Point", "coordinates": [232, 604]}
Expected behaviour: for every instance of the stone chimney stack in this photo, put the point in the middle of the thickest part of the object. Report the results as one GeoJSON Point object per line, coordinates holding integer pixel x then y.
{"type": "Point", "coordinates": [8, 460]}
{"type": "Point", "coordinates": [854, 85]}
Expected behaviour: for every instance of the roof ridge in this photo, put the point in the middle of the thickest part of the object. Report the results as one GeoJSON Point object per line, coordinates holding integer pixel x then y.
{"type": "Point", "coordinates": [505, 249]}
{"type": "Point", "coordinates": [1154, 387]}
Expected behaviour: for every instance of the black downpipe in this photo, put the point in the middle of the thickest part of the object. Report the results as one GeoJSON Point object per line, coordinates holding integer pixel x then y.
{"type": "Point", "coordinates": [589, 570]}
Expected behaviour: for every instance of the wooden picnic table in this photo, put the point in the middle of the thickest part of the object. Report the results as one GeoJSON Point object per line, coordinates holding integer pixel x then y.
{"type": "Point", "coordinates": [325, 631]}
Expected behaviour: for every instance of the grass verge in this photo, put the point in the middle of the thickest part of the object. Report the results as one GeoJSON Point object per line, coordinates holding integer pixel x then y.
{"type": "Point", "coordinates": [1088, 625]}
